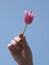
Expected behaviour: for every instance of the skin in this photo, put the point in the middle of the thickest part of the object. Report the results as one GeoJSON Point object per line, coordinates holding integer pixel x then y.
{"type": "Point", "coordinates": [20, 50]}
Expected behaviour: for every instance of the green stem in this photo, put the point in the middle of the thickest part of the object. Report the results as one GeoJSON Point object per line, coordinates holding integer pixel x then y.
{"type": "Point", "coordinates": [25, 29]}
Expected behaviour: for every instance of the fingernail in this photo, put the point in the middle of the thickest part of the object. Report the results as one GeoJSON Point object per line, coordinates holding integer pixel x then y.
{"type": "Point", "coordinates": [17, 39]}
{"type": "Point", "coordinates": [9, 45]}
{"type": "Point", "coordinates": [21, 35]}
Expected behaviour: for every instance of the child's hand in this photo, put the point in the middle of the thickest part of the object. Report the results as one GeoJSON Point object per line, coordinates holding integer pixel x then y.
{"type": "Point", "coordinates": [20, 50]}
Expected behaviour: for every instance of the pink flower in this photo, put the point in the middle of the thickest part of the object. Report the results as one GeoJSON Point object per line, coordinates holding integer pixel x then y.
{"type": "Point", "coordinates": [28, 17]}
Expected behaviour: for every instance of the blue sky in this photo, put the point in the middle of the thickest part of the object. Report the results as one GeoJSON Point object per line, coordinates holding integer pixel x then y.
{"type": "Point", "coordinates": [37, 34]}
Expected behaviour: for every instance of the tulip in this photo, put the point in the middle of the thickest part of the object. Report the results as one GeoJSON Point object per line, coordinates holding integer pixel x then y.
{"type": "Point", "coordinates": [28, 19]}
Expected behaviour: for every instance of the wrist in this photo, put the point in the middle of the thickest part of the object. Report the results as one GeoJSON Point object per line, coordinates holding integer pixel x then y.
{"type": "Point", "coordinates": [26, 64]}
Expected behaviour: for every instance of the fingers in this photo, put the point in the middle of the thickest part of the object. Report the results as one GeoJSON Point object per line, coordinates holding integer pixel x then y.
{"type": "Point", "coordinates": [12, 47]}
{"type": "Point", "coordinates": [19, 41]}
{"type": "Point", "coordinates": [15, 46]}
{"type": "Point", "coordinates": [15, 50]}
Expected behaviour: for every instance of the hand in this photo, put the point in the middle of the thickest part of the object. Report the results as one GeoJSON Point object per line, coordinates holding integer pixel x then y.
{"type": "Point", "coordinates": [20, 50]}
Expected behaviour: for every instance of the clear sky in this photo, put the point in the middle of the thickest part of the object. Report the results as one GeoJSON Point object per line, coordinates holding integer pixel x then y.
{"type": "Point", "coordinates": [37, 34]}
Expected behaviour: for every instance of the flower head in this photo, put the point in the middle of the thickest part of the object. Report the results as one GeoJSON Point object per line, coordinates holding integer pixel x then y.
{"type": "Point", "coordinates": [28, 17]}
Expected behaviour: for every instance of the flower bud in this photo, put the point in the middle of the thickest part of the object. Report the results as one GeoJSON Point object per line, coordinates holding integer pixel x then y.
{"type": "Point", "coordinates": [28, 17]}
